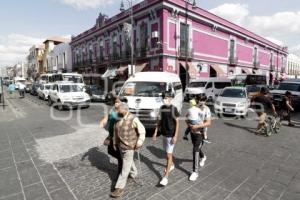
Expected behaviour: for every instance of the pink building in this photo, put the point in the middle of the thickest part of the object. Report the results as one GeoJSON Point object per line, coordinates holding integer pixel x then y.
{"type": "Point", "coordinates": [170, 35]}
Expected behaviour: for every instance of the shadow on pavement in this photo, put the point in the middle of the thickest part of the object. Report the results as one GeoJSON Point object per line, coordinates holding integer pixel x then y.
{"type": "Point", "coordinates": [101, 161]}
{"type": "Point", "coordinates": [177, 161]}
{"type": "Point", "coordinates": [249, 129]}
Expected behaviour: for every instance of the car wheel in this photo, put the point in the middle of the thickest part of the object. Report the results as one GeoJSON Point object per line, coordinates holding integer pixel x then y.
{"type": "Point", "coordinates": [49, 102]}
{"type": "Point", "coordinates": [60, 106]}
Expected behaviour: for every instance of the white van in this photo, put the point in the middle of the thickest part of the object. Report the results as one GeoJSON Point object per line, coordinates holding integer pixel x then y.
{"type": "Point", "coordinates": [144, 94]}
{"type": "Point", "coordinates": [18, 81]}
{"type": "Point", "coordinates": [209, 86]}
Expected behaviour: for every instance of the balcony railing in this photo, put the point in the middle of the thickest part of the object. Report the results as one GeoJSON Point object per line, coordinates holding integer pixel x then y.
{"type": "Point", "coordinates": [272, 67]}
{"type": "Point", "coordinates": [185, 53]}
{"type": "Point", "coordinates": [256, 64]}
{"type": "Point", "coordinates": [141, 52]}
{"type": "Point", "coordinates": [100, 59]}
{"type": "Point", "coordinates": [233, 60]}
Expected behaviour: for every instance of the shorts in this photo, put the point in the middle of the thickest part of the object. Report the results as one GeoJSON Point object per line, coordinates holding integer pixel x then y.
{"type": "Point", "coordinates": [168, 145]}
{"type": "Point", "coordinates": [262, 118]}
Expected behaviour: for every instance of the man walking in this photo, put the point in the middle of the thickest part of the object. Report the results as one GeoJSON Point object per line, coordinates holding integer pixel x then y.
{"type": "Point", "coordinates": [129, 136]}
{"type": "Point", "coordinates": [169, 126]}
{"type": "Point", "coordinates": [197, 136]}
{"type": "Point", "coordinates": [262, 106]}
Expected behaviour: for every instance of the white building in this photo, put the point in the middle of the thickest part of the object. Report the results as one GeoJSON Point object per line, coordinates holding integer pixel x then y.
{"type": "Point", "coordinates": [60, 58]}
{"type": "Point", "coordinates": [35, 61]}
{"type": "Point", "coordinates": [293, 68]}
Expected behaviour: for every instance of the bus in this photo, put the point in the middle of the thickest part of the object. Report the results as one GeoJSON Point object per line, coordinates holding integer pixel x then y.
{"type": "Point", "coordinates": [249, 79]}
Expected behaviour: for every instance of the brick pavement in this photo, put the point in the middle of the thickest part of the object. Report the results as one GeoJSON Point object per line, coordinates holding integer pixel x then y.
{"type": "Point", "coordinates": [240, 165]}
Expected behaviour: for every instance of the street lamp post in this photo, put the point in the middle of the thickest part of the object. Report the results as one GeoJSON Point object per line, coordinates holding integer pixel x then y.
{"type": "Point", "coordinates": [131, 33]}
{"type": "Point", "coordinates": [187, 2]}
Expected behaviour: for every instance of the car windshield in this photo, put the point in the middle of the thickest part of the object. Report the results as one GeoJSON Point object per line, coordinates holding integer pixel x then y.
{"type": "Point", "coordinates": [69, 88]}
{"type": "Point", "coordinates": [74, 79]}
{"type": "Point", "coordinates": [253, 88]}
{"type": "Point", "coordinates": [234, 93]}
{"type": "Point", "coordinates": [289, 86]}
{"type": "Point", "coordinates": [143, 89]}
{"type": "Point", "coordinates": [197, 84]}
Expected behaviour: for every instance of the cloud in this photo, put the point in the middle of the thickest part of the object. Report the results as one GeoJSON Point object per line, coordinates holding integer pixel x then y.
{"type": "Point", "coordinates": [15, 47]}
{"type": "Point", "coordinates": [232, 12]}
{"type": "Point", "coordinates": [282, 28]}
{"type": "Point", "coordinates": [87, 4]}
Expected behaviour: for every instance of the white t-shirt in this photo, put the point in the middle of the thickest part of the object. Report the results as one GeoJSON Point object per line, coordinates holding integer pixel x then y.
{"type": "Point", "coordinates": [203, 114]}
{"type": "Point", "coordinates": [21, 86]}
{"type": "Point", "coordinates": [193, 114]}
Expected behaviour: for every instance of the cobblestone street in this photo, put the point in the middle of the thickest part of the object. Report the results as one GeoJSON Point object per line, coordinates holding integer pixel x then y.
{"type": "Point", "coordinates": [42, 158]}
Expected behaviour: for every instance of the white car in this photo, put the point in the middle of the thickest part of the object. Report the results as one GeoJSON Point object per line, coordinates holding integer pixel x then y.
{"type": "Point", "coordinates": [232, 100]}
{"type": "Point", "coordinates": [66, 94]}
{"type": "Point", "coordinates": [43, 91]}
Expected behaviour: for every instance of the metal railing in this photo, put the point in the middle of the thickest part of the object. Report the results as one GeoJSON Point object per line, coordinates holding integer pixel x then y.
{"type": "Point", "coordinates": [256, 64]}
{"type": "Point", "coordinates": [185, 53]}
{"type": "Point", "coordinates": [233, 60]}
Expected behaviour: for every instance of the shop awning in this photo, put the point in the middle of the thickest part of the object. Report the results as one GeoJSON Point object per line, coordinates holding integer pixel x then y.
{"type": "Point", "coordinates": [218, 69]}
{"type": "Point", "coordinates": [193, 71]}
{"type": "Point", "coordinates": [256, 71]}
{"type": "Point", "coordinates": [246, 71]}
{"type": "Point", "coordinates": [140, 67]}
{"type": "Point", "coordinates": [110, 73]}
{"type": "Point", "coordinates": [121, 70]}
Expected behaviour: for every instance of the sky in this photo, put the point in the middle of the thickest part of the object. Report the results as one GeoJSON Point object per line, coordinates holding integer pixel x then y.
{"type": "Point", "coordinates": [28, 22]}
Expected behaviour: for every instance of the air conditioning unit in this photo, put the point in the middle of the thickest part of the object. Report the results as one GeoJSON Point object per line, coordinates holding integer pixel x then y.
{"type": "Point", "coordinates": [155, 34]}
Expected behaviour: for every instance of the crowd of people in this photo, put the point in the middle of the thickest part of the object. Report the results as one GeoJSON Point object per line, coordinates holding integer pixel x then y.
{"type": "Point", "coordinates": [127, 134]}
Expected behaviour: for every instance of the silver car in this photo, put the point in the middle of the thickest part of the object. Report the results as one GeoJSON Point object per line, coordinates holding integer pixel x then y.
{"type": "Point", "coordinates": [232, 100]}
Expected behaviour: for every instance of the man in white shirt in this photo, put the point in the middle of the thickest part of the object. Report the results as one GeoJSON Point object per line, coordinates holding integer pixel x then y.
{"type": "Point", "coordinates": [197, 135]}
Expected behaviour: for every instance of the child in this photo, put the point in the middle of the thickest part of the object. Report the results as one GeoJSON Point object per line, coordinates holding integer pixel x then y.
{"type": "Point", "coordinates": [169, 125]}
{"type": "Point", "coordinates": [193, 119]}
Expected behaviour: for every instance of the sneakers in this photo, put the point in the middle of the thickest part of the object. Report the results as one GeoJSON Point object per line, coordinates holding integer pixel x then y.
{"type": "Point", "coordinates": [202, 161]}
{"type": "Point", "coordinates": [117, 193]}
{"type": "Point", "coordinates": [164, 181]}
{"type": "Point", "coordinates": [193, 176]}
{"type": "Point", "coordinates": [207, 141]}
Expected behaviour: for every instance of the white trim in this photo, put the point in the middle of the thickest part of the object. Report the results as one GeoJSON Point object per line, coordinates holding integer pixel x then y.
{"type": "Point", "coordinates": [244, 45]}
{"type": "Point", "coordinates": [210, 34]}
{"type": "Point", "coordinates": [209, 55]}
{"type": "Point", "coordinates": [245, 62]}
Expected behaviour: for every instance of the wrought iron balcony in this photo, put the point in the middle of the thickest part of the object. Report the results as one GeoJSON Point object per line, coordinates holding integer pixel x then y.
{"type": "Point", "coordinates": [141, 52]}
{"type": "Point", "coordinates": [185, 53]}
{"type": "Point", "coordinates": [233, 60]}
{"type": "Point", "coordinates": [256, 64]}
{"type": "Point", "coordinates": [272, 67]}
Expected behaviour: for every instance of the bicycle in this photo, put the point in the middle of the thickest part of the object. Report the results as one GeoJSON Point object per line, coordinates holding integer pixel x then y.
{"type": "Point", "coordinates": [272, 126]}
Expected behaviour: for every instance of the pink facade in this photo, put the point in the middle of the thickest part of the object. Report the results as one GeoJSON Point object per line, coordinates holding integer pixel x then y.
{"type": "Point", "coordinates": [215, 47]}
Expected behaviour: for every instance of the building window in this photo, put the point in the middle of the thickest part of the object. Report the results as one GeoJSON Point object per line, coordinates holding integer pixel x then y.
{"type": "Point", "coordinates": [115, 46]}
{"type": "Point", "coordinates": [90, 53]}
{"type": "Point", "coordinates": [255, 55]}
{"type": "Point", "coordinates": [232, 48]}
{"type": "Point", "coordinates": [64, 60]}
{"type": "Point", "coordinates": [143, 36]}
{"type": "Point", "coordinates": [184, 37]}
{"type": "Point", "coordinates": [271, 60]}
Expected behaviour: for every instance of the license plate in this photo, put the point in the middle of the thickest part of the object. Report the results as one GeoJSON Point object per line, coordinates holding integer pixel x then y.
{"type": "Point", "coordinates": [229, 110]}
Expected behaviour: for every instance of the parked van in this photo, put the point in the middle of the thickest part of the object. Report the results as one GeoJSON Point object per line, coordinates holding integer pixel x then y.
{"type": "Point", "coordinates": [209, 86]}
{"type": "Point", "coordinates": [144, 94]}
{"type": "Point", "coordinates": [18, 81]}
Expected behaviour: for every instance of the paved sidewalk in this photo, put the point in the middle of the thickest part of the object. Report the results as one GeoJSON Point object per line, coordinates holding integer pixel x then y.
{"type": "Point", "coordinates": [72, 163]}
